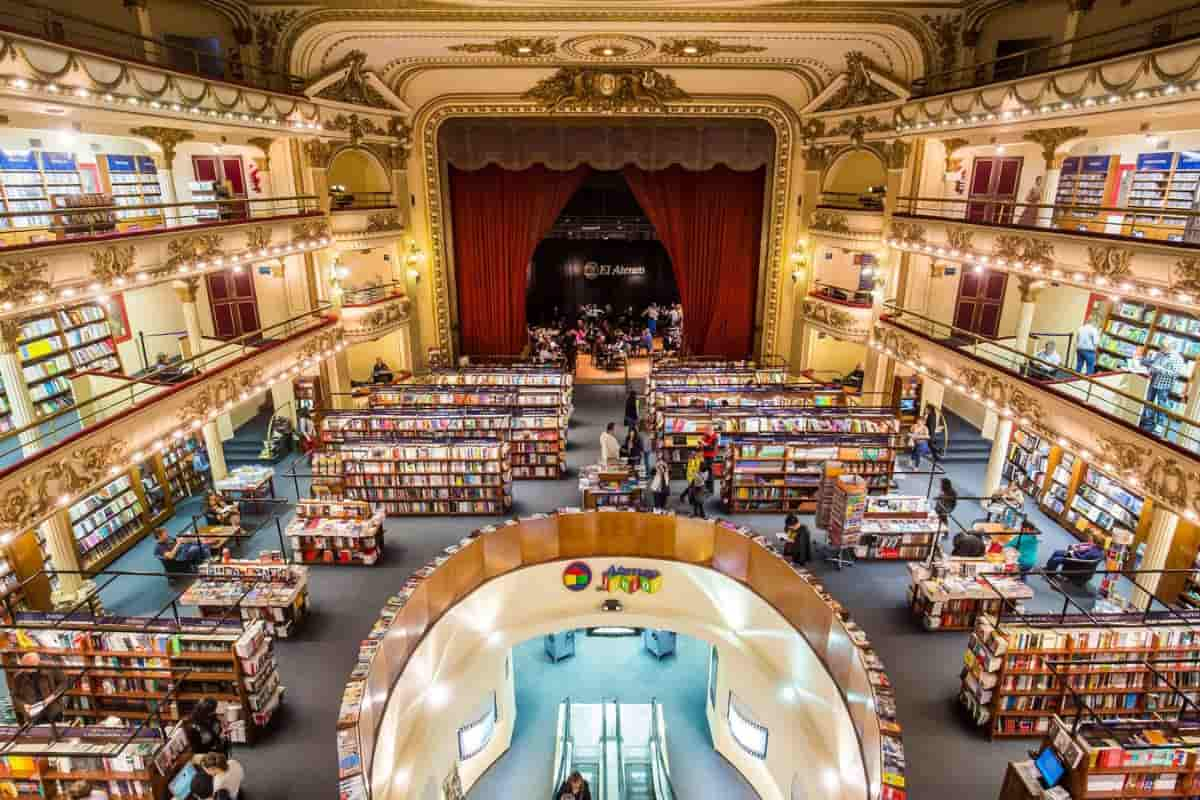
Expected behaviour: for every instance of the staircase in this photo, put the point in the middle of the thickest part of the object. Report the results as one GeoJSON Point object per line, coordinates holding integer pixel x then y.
{"type": "Point", "coordinates": [247, 443]}
{"type": "Point", "coordinates": [967, 446]}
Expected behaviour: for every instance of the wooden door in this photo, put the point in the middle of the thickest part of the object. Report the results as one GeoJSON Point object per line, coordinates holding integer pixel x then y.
{"type": "Point", "coordinates": [233, 302]}
{"type": "Point", "coordinates": [980, 302]}
{"type": "Point", "coordinates": [992, 191]}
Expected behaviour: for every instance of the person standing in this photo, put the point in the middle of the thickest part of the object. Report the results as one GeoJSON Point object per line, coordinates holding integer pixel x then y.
{"type": "Point", "coordinates": [660, 484]}
{"type": "Point", "coordinates": [227, 774]}
{"type": "Point", "coordinates": [919, 436]}
{"type": "Point", "coordinates": [652, 318]}
{"type": "Point", "coordinates": [708, 446]}
{"type": "Point", "coordinates": [610, 448]}
{"type": "Point", "coordinates": [203, 729]}
{"type": "Point", "coordinates": [631, 410]}
{"type": "Point", "coordinates": [635, 451]}
{"type": "Point", "coordinates": [201, 466]}
{"type": "Point", "coordinates": [1164, 367]}
{"type": "Point", "coordinates": [696, 490]}
{"type": "Point", "coordinates": [574, 788]}
{"type": "Point", "coordinates": [945, 504]}
{"type": "Point", "coordinates": [1087, 339]}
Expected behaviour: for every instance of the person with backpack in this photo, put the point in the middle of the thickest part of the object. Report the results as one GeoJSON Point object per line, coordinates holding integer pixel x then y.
{"type": "Point", "coordinates": [660, 484]}
{"type": "Point", "coordinates": [697, 490]}
{"type": "Point", "coordinates": [203, 729]}
{"type": "Point", "coordinates": [945, 503]}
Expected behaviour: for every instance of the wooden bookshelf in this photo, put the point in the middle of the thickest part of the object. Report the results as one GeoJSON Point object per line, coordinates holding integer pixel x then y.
{"type": "Point", "coordinates": [1129, 325]}
{"type": "Point", "coordinates": [782, 476]}
{"type": "Point", "coordinates": [181, 480]}
{"type": "Point", "coordinates": [132, 181]}
{"type": "Point", "coordinates": [340, 532]}
{"type": "Point", "coordinates": [136, 671]}
{"type": "Point", "coordinates": [1164, 183]}
{"type": "Point", "coordinates": [1086, 181]}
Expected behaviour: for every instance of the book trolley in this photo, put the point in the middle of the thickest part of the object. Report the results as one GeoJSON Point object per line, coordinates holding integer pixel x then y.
{"type": "Point", "coordinates": [336, 532]}
{"type": "Point", "coordinates": [141, 669]}
{"type": "Point", "coordinates": [274, 592]}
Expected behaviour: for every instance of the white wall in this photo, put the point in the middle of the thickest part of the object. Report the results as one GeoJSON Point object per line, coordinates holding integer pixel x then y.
{"type": "Point", "coordinates": [830, 354]}
{"type": "Point", "coordinates": [154, 309]}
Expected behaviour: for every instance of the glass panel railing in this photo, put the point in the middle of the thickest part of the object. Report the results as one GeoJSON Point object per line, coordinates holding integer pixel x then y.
{"type": "Point", "coordinates": [120, 394]}
{"type": "Point", "coordinates": [1126, 396]}
{"type": "Point", "coordinates": [1156, 31]}
{"type": "Point", "coordinates": [79, 32]}
{"type": "Point", "coordinates": [374, 293]}
{"type": "Point", "coordinates": [859, 298]}
{"type": "Point", "coordinates": [1161, 219]}
{"type": "Point", "coordinates": [108, 218]}
{"type": "Point", "coordinates": [663, 788]}
{"type": "Point", "coordinates": [564, 747]}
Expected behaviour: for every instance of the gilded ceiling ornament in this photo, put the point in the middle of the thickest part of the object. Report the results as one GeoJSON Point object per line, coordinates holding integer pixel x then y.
{"type": "Point", "coordinates": [858, 128]}
{"type": "Point", "coordinates": [1023, 248]}
{"type": "Point", "coordinates": [606, 89]}
{"type": "Point", "coordinates": [1111, 262]}
{"type": "Point", "coordinates": [908, 232]}
{"type": "Point", "coordinates": [951, 145]}
{"type": "Point", "coordinates": [383, 221]}
{"type": "Point", "coordinates": [402, 132]}
{"type": "Point", "coordinates": [268, 27]}
{"type": "Point", "coordinates": [946, 31]}
{"type": "Point", "coordinates": [959, 238]}
{"type": "Point", "coordinates": [112, 262]}
{"type": "Point", "coordinates": [703, 48]}
{"type": "Point", "coordinates": [811, 130]}
{"type": "Point", "coordinates": [513, 47]}
{"type": "Point", "coordinates": [166, 138]}
{"type": "Point", "coordinates": [830, 221]}
{"type": "Point", "coordinates": [859, 88]}
{"type": "Point", "coordinates": [1187, 274]}
{"type": "Point", "coordinates": [356, 126]}
{"type": "Point", "coordinates": [21, 279]}
{"type": "Point", "coordinates": [189, 248]}
{"type": "Point", "coordinates": [608, 46]}
{"type": "Point", "coordinates": [353, 86]}
{"type": "Point", "coordinates": [71, 474]}
{"type": "Point", "coordinates": [1051, 139]}
{"type": "Point", "coordinates": [258, 238]}
{"type": "Point", "coordinates": [312, 229]}
{"type": "Point", "coordinates": [318, 153]}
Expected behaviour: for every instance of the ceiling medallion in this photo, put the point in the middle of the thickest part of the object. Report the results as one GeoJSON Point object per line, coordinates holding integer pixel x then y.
{"type": "Point", "coordinates": [605, 89]}
{"type": "Point", "coordinates": [512, 47]}
{"type": "Point", "coordinates": [608, 46]}
{"type": "Point", "coordinates": [703, 48]}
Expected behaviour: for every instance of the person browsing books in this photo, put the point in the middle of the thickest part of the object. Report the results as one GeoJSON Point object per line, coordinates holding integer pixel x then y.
{"type": "Point", "coordinates": [168, 549]}
{"type": "Point", "coordinates": [610, 447]}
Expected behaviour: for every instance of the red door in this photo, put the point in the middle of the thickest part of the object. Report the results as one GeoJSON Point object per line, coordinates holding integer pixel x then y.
{"type": "Point", "coordinates": [992, 191]}
{"type": "Point", "coordinates": [980, 301]}
{"type": "Point", "coordinates": [228, 172]}
{"type": "Point", "coordinates": [233, 302]}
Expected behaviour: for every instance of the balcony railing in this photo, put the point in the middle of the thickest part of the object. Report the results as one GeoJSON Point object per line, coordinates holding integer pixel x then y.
{"type": "Point", "coordinates": [39, 226]}
{"type": "Point", "coordinates": [856, 298]}
{"type": "Point", "coordinates": [32, 19]}
{"type": "Point", "coordinates": [1127, 222]}
{"type": "Point", "coordinates": [21, 443]}
{"type": "Point", "coordinates": [370, 295]}
{"type": "Point", "coordinates": [852, 201]}
{"type": "Point", "coordinates": [359, 201]}
{"type": "Point", "coordinates": [1157, 31]}
{"type": "Point", "coordinates": [1106, 393]}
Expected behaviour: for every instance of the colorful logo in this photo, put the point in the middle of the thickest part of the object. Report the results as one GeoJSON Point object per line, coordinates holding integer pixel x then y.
{"type": "Point", "coordinates": [577, 576]}
{"type": "Point", "coordinates": [630, 580]}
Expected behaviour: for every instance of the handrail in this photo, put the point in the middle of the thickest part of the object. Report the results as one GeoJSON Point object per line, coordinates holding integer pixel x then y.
{"type": "Point", "coordinates": [852, 201]}
{"type": "Point", "coordinates": [620, 752]}
{"type": "Point", "coordinates": [896, 315]}
{"type": "Point", "coordinates": [564, 763]}
{"type": "Point", "coordinates": [354, 200]}
{"type": "Point", "coordinates": [37, 436]}
{"type": "Point", "coordinates": [365, 296]}
{"type": "Point", "coordinates": [39, 22]}
{"type": "Point", "coordinates": [855, 298]}
{"type": "Point", "coordinates": [663, 788]}
{"type": "Point", "coordinates": [1164, 29]}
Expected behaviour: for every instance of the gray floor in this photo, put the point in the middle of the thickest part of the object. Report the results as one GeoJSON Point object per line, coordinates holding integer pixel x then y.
{"type": "Point", "coordinates": [607, 669]}
{"type": "Point", "coordinates": [946, 758]}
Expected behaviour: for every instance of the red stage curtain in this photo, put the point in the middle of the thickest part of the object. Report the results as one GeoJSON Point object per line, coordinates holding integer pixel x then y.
{"type": "Point", "coordinates": [710, 223]}
{"type": "Point", "coordinates": [499, 216]}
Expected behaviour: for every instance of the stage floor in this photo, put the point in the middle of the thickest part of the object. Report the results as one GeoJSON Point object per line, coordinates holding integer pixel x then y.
{"type": "Point", "coordinates": [585, 373]}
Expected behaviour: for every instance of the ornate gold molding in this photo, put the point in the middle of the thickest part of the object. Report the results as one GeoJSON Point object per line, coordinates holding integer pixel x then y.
{"type": "Point", "coordinates": [190, 248]}
{"type": "Point", "coordinates": [1170, 479]}
{"type": "Point", "coordinates": [901, 346]}
{"type": "Point", "coordinates": [703, 48]}
{"type": "Point", "coordinates": [605, 89]}
{"type": "Point", "coordinates": [112, 262]}
{"type": "Point", "coordinates": [318, 153]}
{"type": "Point", "coordinates": [1113, 263]}
{"type": "Point", "coordinates": [894, 153]}
{"type": "Point", "coordinates": [377, 321]}
{"type": "Point", "coordinates": [512, 47]}
{"type": "Point", "coordinates": [947, 31]}
{"type": "Point", "coordinates": [383, 221]}
{"type": "Point", "coordinates": [1029, 288]}
{"type": "Point", "coordinates": [23, 279]}
{"type": "Point", "coordinates": [268, 29]}
{"type": "Point", "coordinates": [10, 335]}
{"type": "Point", "coordinates": [312, 229]}
{"type": "Point", "coordinates": [908, 232]}
{"type": "Point", "coordinates": [263, 143]}
{"type": "Point", "coordinates": [186, 289]}
{"type": "Point", "coordinates": [837, 321]}
{"type": "Point", "coordinates": [1187, 274]}
{"type": "Point", "coordinates": [219, 392]}
{"type": "Point", "coordinates": [1001, 392]}
{"type": "Point", "coordinates": [952, 144]}
{"type": "Point", "coordinates": [353, 86]}
{"type": "Point", "coordinates": [1023, 248]}
{"type": "Point", "coordinates": [67, 475]}
{"type": "Point", "coordinates": [959, 238]}
{"type": "Point", "coordinates": [1050, 139]}
{"type": "Point", "coordinates": [830, 221]}
{"type": "Point", "coordinates": [356, 126]}
{"type": "Point", "coordinates": [859, 88]}
{"type": "Point", "coordinates": [258, 238]}
{"type": "Point", "coordinates": [166, 138]}
{"type": "Point", "coordinates": [857, 129]}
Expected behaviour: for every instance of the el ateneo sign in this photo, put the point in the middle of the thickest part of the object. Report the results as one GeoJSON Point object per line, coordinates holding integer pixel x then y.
{"type": "Point", "coordinates": [593, 270]}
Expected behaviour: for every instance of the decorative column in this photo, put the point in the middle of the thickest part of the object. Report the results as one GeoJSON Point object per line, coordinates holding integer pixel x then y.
{"type": "Point", "coordinates": [1030, 289]}
{"type": "Point", "coordinates": [317, 154]}
{"type": "Point", "coordinates": [64, 555]}
{"type": "Point", "coordinates": [995, 465]}
{"type": "Point", "coordinates": [1075, 11]}
{"type": "Point", "coordinates": [16, 389]}
{"type": "Point", "coordinates": [406, 353]}
{"type": "Point", "coordinates": [1158, 548]}
{"type": "Point", "coordinates": [1050, 140]}
{"type": "Point", "coordinates": [246, 61]}
{"type": "Point", "coordinates": [398, 158]}
{"type": "Point", "coordinates": [878, 369]}
{"type": "Point", "coordinates": [970, 40]}
{"type": "Point", "coordinates": [167, 140]}
{"type": "Point", "coordinates": [186, 290]}
{"type": "Point", "coordinates": [263, 165]}
{"type": "Point", "coordinates": [140, 11]}
{"type": "Point", "coordinates": [816, 159]}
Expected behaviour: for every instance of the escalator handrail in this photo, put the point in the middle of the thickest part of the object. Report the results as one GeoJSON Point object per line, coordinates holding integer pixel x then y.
{"type": "Point", "coordinates": [663, 788]}
{"type": "Point", "coordinates": [564, 765]}
{"type": "Point", "coordinates": [620, 754]}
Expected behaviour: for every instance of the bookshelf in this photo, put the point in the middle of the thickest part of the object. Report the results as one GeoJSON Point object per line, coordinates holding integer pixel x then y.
{"type": "Point", "coordinates": [128, 764]}
{"type": "Point", "coordinates": [1027, 461]}
{"type": "Point", "coordinates": [1102, 506]}
{"type": "Point", "coordinates": [846, 513]}
{"type": "Point", "coordinates": [181, 479]}
{"type": "Point", "coordinates": [133, 180]}
{"type": "Point", "coordinates": [1085, 181]}
{"type": "Point", "coordinates": [309, 396]}
{"type": "Point", "coordinates": [906, 397]}
{"type": "Point", "coordinates": [1131, 325]}
{"type": "Point", "coordinates": [772, 396]}
{"type": "Point", "coordinates": [951, 597]}
{"type": "Point", "coordinates": [1009, 686]}
{"type": "Point", "coordinates": [1163, 183]}
{"type": "Point", "coordinates": [610, 487]}
{"type": "Point", "coordinates": [336, 532]}
{"type": "Point", "coordinates": [1129, 759]}
{"type": "Point", "coordinates": [896, 528]}
{"type": "Point", "coordinates": [430, 477]}
{"type": "Point", "coordinates": [36, 181]}
{"type": "Point", "coordinates": [1061, 484]}
{"type": "Point", "coordinates": [137, 669]}
{"type": "Point", "coordinates": [273, 592]}
{"type": "Point", "coordinates": [779, 476]}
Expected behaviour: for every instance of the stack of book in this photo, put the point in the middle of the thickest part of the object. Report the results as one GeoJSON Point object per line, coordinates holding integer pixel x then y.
{"type": "Point", "coordinates": [275, 593]}
{"type": "Point", "coordinates": [336, 532]}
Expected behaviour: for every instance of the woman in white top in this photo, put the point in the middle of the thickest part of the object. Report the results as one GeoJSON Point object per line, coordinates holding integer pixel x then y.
{"type": "Point", "coordinates": [227, 774]}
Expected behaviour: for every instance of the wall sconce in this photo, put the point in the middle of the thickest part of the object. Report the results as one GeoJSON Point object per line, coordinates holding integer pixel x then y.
{"type": "Point", "coordinates": [414, 275]}
{"type": "Point", "coordinates": [415, 254]}
{"type": "Point", "coordinates": [797, 275]}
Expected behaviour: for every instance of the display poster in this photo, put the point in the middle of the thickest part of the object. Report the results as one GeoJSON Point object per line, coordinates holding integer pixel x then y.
{"type": "Point", "coordinates": [1070, 165]}
{"type": "Point", "coordinates": [58, 162]}
{"type": "Point", "coordinates": [1095, 163]}
{"type": "Point", "coordinates": [121, 163]}
{"type": "Point", "coordinates": [1155, 161]}
{"type": "Point", "coordinates": [146, 165]}
{"type": "Point", "coordinates": [18, 160]}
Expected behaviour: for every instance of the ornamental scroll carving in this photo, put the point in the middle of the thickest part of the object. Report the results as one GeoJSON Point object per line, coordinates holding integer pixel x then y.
{"type": "Point", "coordinates": [512, 47]}
{"type": "Point", "coordinates": [1000, 391]}
{"type": "Point", "coordinates": [1050, 139]}
{"type": "Point", "coordinates": [946, 32]}
{"type": "Point", "coordinates": [217, 393]}
{"type": "Point", "coordinates": [1187, 274]}
{"type": "Point", "coordinates": [318, 153]}
{"type": "Point", "coordinates": [379, 320]}
{"type": "Point", "coordinates": [353, 87]}
{"type": "Point", "coordinates": [959, 238]}
{"type": "Point", "coordinates": [356, 126]}
{"type": "Point", "coordinates": [859, 88]}
{"type": "Point", "coordinates": [857, 129]}
{"type": "Point", "coordinates": [830, 221]}
{"type": "Point", "coordinates": [317, 345]}
{"type": "Point", "coordinates": [383, 221]}
{"type": "Point", "coordinates": [1165, 478]}
{"type": "Point", "coordinates": [258, 238]}
{"type": "Point", "coordinates": [952, 144]}
{"type": "Point", "coordinates": [1111, 262]}
{"type": "Point", "coordinates": [606, 89]}
{"type": "Point", "coordinates": [20, 280]}
{"type": "Point", "coordinates": [190, 248]}
{"type": "Point", "coordinates": [71, 474]}
{"type": "Point", "coordinates": [903, 347]}
{"type": "Point", "coordinates": [112, 262]}
{"type": "Point", "coordinates": [836, 319]}
{"type": "Point", "coordinates": [1023, 248]}
{"type": "Point", "coordinates": [908, 232]}
{"type": "Point", "coordinates": [313, 229]}
{"type": "Point", "coordinates": [703, 48]}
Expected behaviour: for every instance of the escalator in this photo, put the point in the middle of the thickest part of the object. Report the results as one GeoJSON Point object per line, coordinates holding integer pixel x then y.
{"type": "Point", "coordinates": [619, 748]}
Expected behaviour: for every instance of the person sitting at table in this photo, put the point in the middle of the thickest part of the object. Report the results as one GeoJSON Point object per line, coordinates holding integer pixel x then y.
{"type": "Point", "coordinates": [1047, 364]}
{"type": "Point", "coordinates": [1082, 551]}
{"type": "Point", "coordinates": [1026, 545]}
{"type": "Point", "coordinates": [1013, 495]}
{"type": "Point", "coordinates": [218, 512]}
{"type": "Point", "coordinates": [854, 378]}
{"type": "Point", "coordinates": [168, 549]}
{"type": "Point", "coordinates": [381, 372]}
{"type": "Point", "coordinates": [968, 545]}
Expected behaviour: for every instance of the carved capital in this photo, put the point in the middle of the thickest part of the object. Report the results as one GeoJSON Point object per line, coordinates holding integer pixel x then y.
{"type": "Point", "coordinates": [1051, 139]}
{"type": "Point", "coordinates": [1029, 288]}
{"type": "Point", "coordinates": [952, 144]}
{"type": "Point", "coordinates": [166, 138]}
{"type": "Point", "coordinates": [186, 289]}
{"type": "Point", "coordinates": [10, 334]}
{"type": "Point", "coordinates": [263, 143]}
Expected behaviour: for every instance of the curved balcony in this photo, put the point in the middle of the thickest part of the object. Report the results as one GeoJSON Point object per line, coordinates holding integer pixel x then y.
{"type": "Point", "coordinates": [373, 312]}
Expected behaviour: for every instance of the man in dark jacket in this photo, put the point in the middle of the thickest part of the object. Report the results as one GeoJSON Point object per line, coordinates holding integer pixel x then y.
{"type": "Point", "coordinates": [34, 686]}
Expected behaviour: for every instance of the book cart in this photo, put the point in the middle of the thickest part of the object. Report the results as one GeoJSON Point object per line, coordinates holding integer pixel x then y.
{"type": "Point", "coordinates": [127, 762]}
{"type": "Point", "coordinates": [336, 532]}
{"type": "Point", "coordinates": [1024, 669]}
{"type": "Point", "coordinates": [140, 669]}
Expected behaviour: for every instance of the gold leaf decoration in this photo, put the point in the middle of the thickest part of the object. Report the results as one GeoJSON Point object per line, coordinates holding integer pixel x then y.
{"type": "Point", "coordinates": [318, 153]}
{"type": "Point", "coordinates": [22, 279]}
{"type": "Point", "coordinates": [1113, 263]}
{"type": "Point", "coordinates": [112, 262]}
{"type": "Point", "coordinates": [857, 129]}
{"type": "Point", "coordinates": [356, 126]}
{"type": "Point", "coordinates": [604, 88]}
{"type": "Point", "coordinates": [313, 229]}
{"type": "Point", "coordinates": [383, 221]}
{"type": "Point", "coordinates": [959, 238]}
{"type": "Point", "coordinates": [859, 88]}
{"type": "Point", "coordinates": [166, 138]}
{"type": "Point", "coordinates": [1187, 274]}
{"type": "Point", "coordinates": [258, 238]}
{"type": "Point", "coordinates": [703, 48]}
{"type": "Point", "coordinates": [1051, 139]}
{"type": "Point", "coordinates": [353, 87]}
{"type": "Point", "coordinates": [830, 221]}
{"type": "Point", "coordinates": [70, 474]}
{"type": "Point", "coordinates": [908, 232]}
{"type": "Point", "coordinates": [189, 248]}
{"type": "Point", "coordinates": [513, 47]}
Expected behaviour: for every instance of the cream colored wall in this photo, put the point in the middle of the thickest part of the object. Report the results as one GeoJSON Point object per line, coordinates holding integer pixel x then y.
{"type": "Point", "coordinates": [1060, 309]}
{"type": "Point", "coordinates": [1108, 14]}
{"type": "Point", "coordinates": [374, 266]}
{"type": "Point", "coordinates": [154, 309]}
{"type": "Point", "coordinates": [832, 355]}
{"type": "Point", "coordinates": [184, 174]}
{"type": "Point", "coordinates": [191, 18]}
{"type": "Point", "coordinates": [854, 172]}
{"type": "Point", "coordinates": [362, 356]}
{"type": "Point", "coordinates": [360, 171]}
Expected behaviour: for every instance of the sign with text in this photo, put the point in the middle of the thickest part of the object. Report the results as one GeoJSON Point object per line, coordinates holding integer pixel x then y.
{"type": "Point", "coordinates": [592, 270]}
{"type": "Point", "coordinates": [630, 580]}
{"type": "Point", "coordinates": [567, 274]}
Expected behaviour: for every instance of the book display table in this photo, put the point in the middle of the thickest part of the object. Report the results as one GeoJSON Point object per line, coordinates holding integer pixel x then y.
{"type": "Point", "coordinates": [951, 595]}
{"type": "Point", "coordinates": [336, 532]}
{"type": "Point", "coordinates": [274, 592]}
{"type": "Point", "coordinates": [610, 487]}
